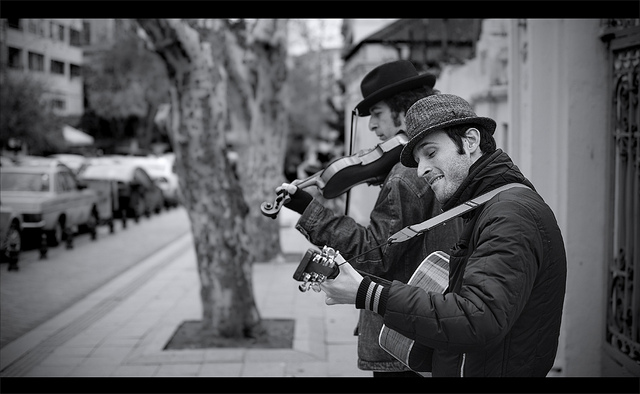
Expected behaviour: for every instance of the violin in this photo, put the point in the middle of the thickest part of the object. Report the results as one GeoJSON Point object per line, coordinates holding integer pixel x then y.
{"type": "Point", "coordinates": [371, 167]}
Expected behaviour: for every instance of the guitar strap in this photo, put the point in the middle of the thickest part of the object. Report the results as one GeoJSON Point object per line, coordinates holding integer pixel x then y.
{"type": "Point", "coordinates": [416, 229]}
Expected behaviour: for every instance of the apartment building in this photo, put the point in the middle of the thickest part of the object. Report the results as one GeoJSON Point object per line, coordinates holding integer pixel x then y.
{"type": "Point", "coordinates": [49, 50]}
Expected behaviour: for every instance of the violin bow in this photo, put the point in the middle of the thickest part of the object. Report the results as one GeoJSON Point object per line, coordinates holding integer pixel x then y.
{"type": "Point", "coordinates": [354, 125]}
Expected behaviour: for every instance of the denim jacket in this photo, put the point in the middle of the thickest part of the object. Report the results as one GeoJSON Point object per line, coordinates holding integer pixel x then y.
{"type": "Point", "coordinates": [404, 199]}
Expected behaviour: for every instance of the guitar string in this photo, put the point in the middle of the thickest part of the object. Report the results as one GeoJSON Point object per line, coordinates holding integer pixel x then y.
{"type": "Point", "coordinates": [373, 277]}
{"type": "Point", "coordinates": [365, 252]}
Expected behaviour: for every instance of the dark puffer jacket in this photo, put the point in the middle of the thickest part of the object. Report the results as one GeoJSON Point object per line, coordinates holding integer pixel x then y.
{"type": "Point", "coordinates": [501, 315]}
{"type": "Point", "coordinates": [404, 199]}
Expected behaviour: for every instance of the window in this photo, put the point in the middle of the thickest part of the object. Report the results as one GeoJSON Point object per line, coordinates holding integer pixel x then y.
{"type": "Point", "coordinates": [36, 61]}
{"type": "Point", "coordinates": [36, 26]}
{"type": "Point", "coordinates": [61, 183]}
{"type": "Point", "coordinates": [53, 30]}
{"type": "Point", "coordinates": [24, 182]}
{"type": "Point", "coordinates": [14, 23]}
{"type": "Point", "coordinates": [58, 104]}
{"type": "Point", "coordinates": [69, 181]}
{"type": "Point", "coordinates": [74, 37]}
{"type": "Point", "coordinates": [86, 33]}
{"type": "Point", "coordinates": [15, 58]}
{"type": "Point", "coordinates": [58, 32]}
{"type": "Point", "coordinates": [32, 26]}
{"type": "Point", "coordinates": [57, 67]}
{"type": "Point", "coordinates": [75, 71]}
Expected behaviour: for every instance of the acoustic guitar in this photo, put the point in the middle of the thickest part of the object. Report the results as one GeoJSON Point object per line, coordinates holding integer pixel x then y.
{"type": "Point", "coordinates": [432, 275]}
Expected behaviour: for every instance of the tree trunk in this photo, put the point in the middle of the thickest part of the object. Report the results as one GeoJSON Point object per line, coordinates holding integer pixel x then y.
{"type": "Point", "coordinates": [212, 194]}
{"type": "Point", "coordinates": [257, 74]}
{"type": "Point", "coordinates": [148, 126]}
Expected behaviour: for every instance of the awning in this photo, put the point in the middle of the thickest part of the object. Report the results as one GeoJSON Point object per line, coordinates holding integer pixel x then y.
{"type": "Point", "coordinates": [76, 137]}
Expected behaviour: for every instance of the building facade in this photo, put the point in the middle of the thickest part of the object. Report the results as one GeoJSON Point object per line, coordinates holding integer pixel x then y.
{"type": "Point", "coordinates": [564, 93]}
{"type": "Point", "coordinates": [50, 51]}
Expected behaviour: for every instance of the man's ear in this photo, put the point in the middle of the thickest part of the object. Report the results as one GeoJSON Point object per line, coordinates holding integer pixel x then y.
{"type": "Point", "coordinates": [472, 139]}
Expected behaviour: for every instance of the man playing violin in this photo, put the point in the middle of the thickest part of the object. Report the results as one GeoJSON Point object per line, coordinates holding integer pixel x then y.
{"type": "Point", "coordinates": [404, 199]}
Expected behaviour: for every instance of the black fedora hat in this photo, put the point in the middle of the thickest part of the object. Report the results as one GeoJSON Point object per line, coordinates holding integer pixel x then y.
{"type": "Point", "coordinates": [437, 112]}
{"type": "Point", "coordinates": [389, 79]}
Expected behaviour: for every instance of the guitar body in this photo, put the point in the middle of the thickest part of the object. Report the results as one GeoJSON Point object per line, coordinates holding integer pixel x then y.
{"type": "Point", "coordinates": [432, 276]}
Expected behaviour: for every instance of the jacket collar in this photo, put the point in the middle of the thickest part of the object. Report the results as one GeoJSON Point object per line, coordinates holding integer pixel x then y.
{"type": "Point", "coordinates": [489, 172]}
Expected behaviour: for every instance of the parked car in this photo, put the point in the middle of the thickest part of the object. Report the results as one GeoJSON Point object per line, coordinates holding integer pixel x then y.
{"type": "Point", "coordinates": [49, 199]}
{"type": "Point", "coordinates": [137, 194]}
{"type": "Point", "coordinates": [6, 161]}
{"type": "Point", "coordinates": [107, 193]}
{"type": "Point", "coordinates": [160, 169]}
{"type": "Point", "coordinates": [76, 162]}
{"type": "Point", "coordinates": [10, 236]}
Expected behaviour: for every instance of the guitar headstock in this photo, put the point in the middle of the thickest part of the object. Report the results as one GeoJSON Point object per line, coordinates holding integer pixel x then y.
{"type": "Point", "coordinates": [316, 267]}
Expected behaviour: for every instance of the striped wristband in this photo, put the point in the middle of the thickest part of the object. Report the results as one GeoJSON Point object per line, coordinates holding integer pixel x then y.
{"type": "Point", "coordinates": [372, 296]}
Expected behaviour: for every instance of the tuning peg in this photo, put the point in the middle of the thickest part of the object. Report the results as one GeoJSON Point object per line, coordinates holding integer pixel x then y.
{"type": "Point", "coordinates": [303, 287]}
{"type": "Point", "coordinates": [329, 251]}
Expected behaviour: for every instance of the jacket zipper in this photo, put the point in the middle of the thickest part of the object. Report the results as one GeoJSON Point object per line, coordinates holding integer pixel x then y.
{"type": "Point", "coordinates": [464, 355]}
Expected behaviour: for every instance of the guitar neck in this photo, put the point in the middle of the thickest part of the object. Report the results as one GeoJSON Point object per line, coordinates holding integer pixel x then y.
{"type": "Point", "coordinates": [318, 266]}
{"type": "Point", "coordinates": [385, 282]}
{"type": "Point", "coordinates": [377, 279]}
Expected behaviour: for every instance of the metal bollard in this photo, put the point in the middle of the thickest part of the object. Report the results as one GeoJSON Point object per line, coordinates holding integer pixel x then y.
{"type": "Point", "coordinates": [44, 246]}
{"type": "Point", "coordinates": [69, 237]}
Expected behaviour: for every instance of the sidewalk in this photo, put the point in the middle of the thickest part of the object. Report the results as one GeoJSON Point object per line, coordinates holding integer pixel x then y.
{"type": "Point", "coordinates": [120, 329]}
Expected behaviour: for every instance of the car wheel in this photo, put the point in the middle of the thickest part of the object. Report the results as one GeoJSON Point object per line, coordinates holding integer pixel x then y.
{"type": "Point", "coordinates": [54, 237]}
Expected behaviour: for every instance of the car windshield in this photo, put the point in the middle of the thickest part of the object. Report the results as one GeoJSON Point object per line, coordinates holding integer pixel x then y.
{"type": "Point", "coordinates": [24, 182]}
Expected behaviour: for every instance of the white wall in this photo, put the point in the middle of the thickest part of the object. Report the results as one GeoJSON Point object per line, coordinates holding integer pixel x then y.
{"type": "Point", "coordinates": [559, 110]}
{"type": "Point", "coordinates": [482, 81]}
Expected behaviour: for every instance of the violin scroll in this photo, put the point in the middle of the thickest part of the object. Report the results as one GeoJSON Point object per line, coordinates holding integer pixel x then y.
{"type": "Point", "coordinates": [272, 209]}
